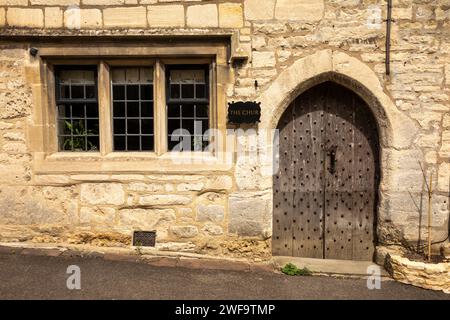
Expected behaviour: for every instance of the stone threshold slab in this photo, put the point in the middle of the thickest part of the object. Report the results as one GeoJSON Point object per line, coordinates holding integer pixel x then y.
{"type": "Point", "coordinates": [329, 266]}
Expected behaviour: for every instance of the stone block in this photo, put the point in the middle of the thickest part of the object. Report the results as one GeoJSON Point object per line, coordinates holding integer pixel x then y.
{"type": "Point", "coordinates": [53, 17]}
{"type": "Point", "coordinates": [250, 214]}
{"type": "Point", "coordinates": [12, 172]}
{"type": "Point", "coordinates": [402, 180]}
{"type": "Point", "coordinates": [147, 219]}
{"type": "Point", "coordinates": [103, 2]}
{"type": "Point", "coordinates": [16, 102]}
{"type": "Point", "coordinates": [90, 177]}
{"type": "Point", "coordinates": [15, 148]}
{"type": "Point", "coordinates": [444, 152]}
{"type": "Point", "coordinates": [75, 18]}
{"type": "Point", "coordinates": [125, 17]}
{"type": "Point", "coordinates": [145, 187]}
{"type": "Point", "coordinates": [166, 16]}
{"type": "Point", "coordinates": [52, 179]}
{"type": "Point", "coordinates": [424, 13]}
{"type": "Point", "coordinates": [102, 193]}
{"type": "Point", "coordinates": [444, 177]}
{"type": "Point", "coordinates": [14, 136]}
{"type": "Point", "coordinates": [98, 216]}
{"type": "Point", "coordinates": [214, 213]}
{"type": "Point", "coordinates": [259, 10]}
{"type": "Point", "coordinates": [230, 15]}
{"type": "Point", "coordinates": [446, 121]}
{"type": "Point", "coordinates": [194, 186]}
{"type": "Point", "coordinates": [27, 18]}
{"type": "Point", "coordinates": [263, 59]}
{"type": "Point", "coordinates": [164, 200]}
{"type": "Point", "coordinates": [127, 177]}
{"type": "Point", "coordinates": [447, 74]}
{"type": "Point", "coordinates": [202, 16]}
{"type": "Point", "coordinates": [212, 229]}
{"type": "Point", "coordinates": [2, 17]}
{"type": "Point", "coordinates": [14, 3]}
{"type": "Point", "coordinates": [186, 212]}
{"type": "Point", "coordinates": [219, 183]}
{"type": "Point", "coordinates": [251, 177]}
{"type": "Point", "coordinates": [54, 2]}
{"type": "Point", "coordinates": [6, 125]}
{"type": "Point", "coordinates": [185, 215]}
{"type": "Point", "coordinates": [184, 231]}
{"type": "Point", "coordinates": [402, 13]}
{"type": "Point", "coordinates": [258, 42]}
{"type": "Point", "coordinates": [304, 10]}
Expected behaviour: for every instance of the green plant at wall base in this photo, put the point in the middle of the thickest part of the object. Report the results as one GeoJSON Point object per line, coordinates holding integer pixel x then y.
{"type": "Point", "coordinates": [304, 272]}
{"type": "Point", "coordinates": [292, 270]}
{"type": "Point", "coordinates": [77, 143]}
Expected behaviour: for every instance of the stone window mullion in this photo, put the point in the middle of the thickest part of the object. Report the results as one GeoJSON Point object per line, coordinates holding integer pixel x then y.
{"type": "Point", "coordinates": [49, 115]}
{"type": "Point", "coordinates": [160, 108]}
{"type": "Point", "coordinates": [105, 106]}
{"type": "Point", "coordinates": [213, 110]}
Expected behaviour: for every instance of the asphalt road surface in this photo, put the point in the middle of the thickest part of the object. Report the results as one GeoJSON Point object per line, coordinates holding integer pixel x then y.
{"type": "Point", "coordinates": [43, 277]}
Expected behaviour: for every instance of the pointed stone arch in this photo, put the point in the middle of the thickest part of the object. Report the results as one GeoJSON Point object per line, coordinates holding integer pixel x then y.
{"type": "Point", "coordinates": [396, 130]}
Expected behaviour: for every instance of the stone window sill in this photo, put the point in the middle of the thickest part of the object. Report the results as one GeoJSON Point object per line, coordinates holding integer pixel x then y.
{"type": "Point", "coordinates": [124, 162]}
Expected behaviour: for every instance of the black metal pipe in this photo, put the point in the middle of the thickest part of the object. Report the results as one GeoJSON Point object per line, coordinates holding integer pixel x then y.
{"type": "Point", "coordinates": [388, 37]}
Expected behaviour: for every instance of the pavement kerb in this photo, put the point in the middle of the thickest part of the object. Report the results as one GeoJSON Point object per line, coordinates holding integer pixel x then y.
{"type": "Point", "coordinates": [153, 257]}
{"type": "Point", "coordinates": [130, 254]}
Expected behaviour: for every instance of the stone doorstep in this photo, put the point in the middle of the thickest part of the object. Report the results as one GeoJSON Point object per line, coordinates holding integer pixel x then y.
{"type": "Point", "coordinates": [344, 268]}
{"type": "Point", "coordinates": [151, 257]}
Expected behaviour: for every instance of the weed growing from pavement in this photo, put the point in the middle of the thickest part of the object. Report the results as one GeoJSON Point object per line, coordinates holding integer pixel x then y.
{"type": "Point", "coordinates": [292, 270]}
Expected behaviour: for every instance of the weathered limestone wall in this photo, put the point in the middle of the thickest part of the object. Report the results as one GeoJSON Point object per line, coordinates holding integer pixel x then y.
{"type": "Point", "coordinates": [434, 276]}
{"type": "Point", "coordinates": [288, 41]}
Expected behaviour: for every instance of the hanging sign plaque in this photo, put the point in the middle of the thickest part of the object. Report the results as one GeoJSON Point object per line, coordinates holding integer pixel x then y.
{"type": "Point", "coordinates": [244, 112]}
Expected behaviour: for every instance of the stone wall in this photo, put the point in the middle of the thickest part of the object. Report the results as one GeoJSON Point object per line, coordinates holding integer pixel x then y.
{"type": "Point", "coordinates": [433, 276]}
{"type": "Point", "coordinates": [287, 41]}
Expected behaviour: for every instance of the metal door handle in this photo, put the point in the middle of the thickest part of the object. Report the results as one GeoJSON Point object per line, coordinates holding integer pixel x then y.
{"type": "Point", "coordinates": [332, 155]}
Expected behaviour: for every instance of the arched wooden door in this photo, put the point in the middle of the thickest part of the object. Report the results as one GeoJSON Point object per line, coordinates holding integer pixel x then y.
{"type": "Point", "coordinates": [326, 186]}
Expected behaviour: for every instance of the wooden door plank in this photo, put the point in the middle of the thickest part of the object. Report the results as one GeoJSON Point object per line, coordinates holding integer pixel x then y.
{"type": "Point", "coordinates": [339, 226]}
{"type": "Point", "coordinates": [365, 181]}
{"type": "Point", "coordinates": [307, 155]}
{"type": "Point", "coordinates": [282, 200]}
